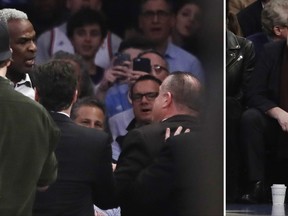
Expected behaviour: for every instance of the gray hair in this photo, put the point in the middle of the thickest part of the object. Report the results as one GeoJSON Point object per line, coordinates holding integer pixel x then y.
{"type": "Point", "coordinates": [8, 14]}
{"type": "Point", "coordinates": [274, 13]}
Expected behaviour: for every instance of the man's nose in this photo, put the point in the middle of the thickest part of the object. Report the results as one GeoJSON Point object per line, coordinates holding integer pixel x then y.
{"type": "Point", "coordinates": [32, 46]}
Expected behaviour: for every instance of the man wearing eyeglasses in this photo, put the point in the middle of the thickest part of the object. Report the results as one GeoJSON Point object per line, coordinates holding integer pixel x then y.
{"type": "Point", "coordinates": [142, 93]}
{"type": "Point", "coordinates": [179, 103]}
{"type": "Point", "coordinates": [156, 20]}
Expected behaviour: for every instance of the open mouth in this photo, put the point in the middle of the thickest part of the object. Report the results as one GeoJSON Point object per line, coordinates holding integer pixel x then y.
{"type": "Point", "coordinates": [30, 62]}
{"type": "Point", "coordinates": [146, 110]}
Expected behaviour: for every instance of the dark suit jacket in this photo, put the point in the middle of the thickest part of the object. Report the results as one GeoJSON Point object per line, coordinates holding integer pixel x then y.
{"type": "Point", "coordinates": [198, 172]}
{"type": "Point", "coordinates": [84, 172]}
{"type": "Point", "coordinates": [263, 89]}
{"type": "Point", "coordinates": [140, 148]}
{"type": "Point", "coordinates": [249, 19]}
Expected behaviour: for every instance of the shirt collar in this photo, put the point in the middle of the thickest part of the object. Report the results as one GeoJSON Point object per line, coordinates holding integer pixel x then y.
{"type": "Point", "coordinates": [26, 81]}
{"type": "Point", "coordinates": [169, 53]}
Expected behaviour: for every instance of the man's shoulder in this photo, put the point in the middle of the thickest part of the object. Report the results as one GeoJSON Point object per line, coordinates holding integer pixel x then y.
{"type": "Point", "coordinates": [180, 53]}
{"type": "Point", "coordinates": [276, 44]}
{"type": "Point", "coordinates": [273, 49]}
{"type": "Point", "coordinates": [181, 60]}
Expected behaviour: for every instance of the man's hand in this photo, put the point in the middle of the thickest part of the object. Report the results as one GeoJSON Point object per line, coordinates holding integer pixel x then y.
{"type": "Point", "coordinates": [177, 132]}
{"type": "Point", "coordinates": [114, 73]}
{"type": "Point", "coordinates": [134, 75]}
{"type": "Point", "coordinates": [281, 116]}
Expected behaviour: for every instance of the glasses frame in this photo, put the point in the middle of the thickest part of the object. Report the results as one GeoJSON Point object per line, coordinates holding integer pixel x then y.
{"type": "Point", "coordinates": [150, 96]}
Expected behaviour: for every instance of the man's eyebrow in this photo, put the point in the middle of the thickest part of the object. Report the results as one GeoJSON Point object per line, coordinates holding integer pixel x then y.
{"type": "Point", "coordinates": [26, 38]}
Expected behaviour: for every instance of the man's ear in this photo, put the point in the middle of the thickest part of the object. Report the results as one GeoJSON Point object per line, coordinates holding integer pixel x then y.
{"type": "Point", "coordinates": [167, 99]}
{"type": "Point", "coordinates": [75, 97]}
{"type": "Point", "coordinates": [277, 30]}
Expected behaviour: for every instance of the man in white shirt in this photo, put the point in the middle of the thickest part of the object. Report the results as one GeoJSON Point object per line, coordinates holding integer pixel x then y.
{"type": "Point", "coordinates": [56, 39]}
{"type": "Point", "coordinates": [22, 42]}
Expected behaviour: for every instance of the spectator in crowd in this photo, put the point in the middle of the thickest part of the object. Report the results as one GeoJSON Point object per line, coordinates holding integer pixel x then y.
{"type": "Point", "coordinates": [22, 42]}
{"type": "Point", "coordinates": [28, 140]}
{"type": "Point", "coordinates": [159, 65]}
{"type": "Point", "coordinates": [85, 85]}
{"type": "Point", "coordinates": [117, 74]}
{"type": "Point", "coordinates": [274, 19]}
{"type": "Point", "coordinates": [119, 121]}
{"type": "Point", "coordinates": [240, 62]}
{"type": "Point", "coordinates": [89, 112]}
{"type": "Point", "coordinates": [264, 124]}
{"type": "Point", "coordinates": [178, 103]}
{"type": "Point", "coordinates": [86, 30]}
{"type": "Point", "coordinates": [84, 154]}
{"type": "Point", "coordinates": [249, 18]}
{"type": "Point", "coordinates": [56, 39]}
{"type": "Point", "coordinates": [188, 24]}
{"type": "Point", "coordinates": [156, 21]}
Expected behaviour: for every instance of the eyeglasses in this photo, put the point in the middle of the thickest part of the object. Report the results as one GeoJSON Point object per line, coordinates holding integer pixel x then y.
{"type": "Point", "coordinates": [159, 69]}
{"type": "Point", "coordinates": [149, 96]}
{"type": "Point", "coordinates": [159, 13]}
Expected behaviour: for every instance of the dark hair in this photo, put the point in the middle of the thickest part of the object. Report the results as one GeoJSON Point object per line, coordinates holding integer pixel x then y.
{"type": "Point", "coordinates": [56, 83]}
{"type": "Point", "coordinates": [186, 89]}
{"type": "Point", "coordinates": [181, 3]}
{"type": "Point", "coordinates": [86, 16]}
{"type": "Point", "coordinates": [143, 78]}
{"type": "Point", "coordinates": [154, 52]}
{"type": "Point", "coordinates": [136, 42]}
{"type": "Point", "coordinates": [86, 101]}
{"type": "Point", "coordinates": [85, 82]}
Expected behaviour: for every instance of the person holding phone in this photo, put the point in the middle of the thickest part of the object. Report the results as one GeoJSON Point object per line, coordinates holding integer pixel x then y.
{"type": "Point", "coordinates": [120, 71]}
{"type": "Point", "coordinates": [147, 62]}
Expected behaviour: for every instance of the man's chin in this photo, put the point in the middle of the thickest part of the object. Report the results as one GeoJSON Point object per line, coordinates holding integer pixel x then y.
{"type": "Point", "coordinates": [146, 120]}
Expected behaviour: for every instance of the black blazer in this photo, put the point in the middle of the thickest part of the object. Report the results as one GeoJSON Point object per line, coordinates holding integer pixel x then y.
{"type": "Point", "coordinates": [84, 172]}
{"type": "Point", "coordinates": [263, 89]}
{"type": "Point", "coordinates": [249, 18]}
{"type": "Point", "coordinates": [139, 150]}
{"type": "Point", "coordinates": [198, 171]}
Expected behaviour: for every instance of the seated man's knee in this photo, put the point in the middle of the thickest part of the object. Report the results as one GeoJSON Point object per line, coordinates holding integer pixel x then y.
{"type": "Point", "coordinates": [252, 117]}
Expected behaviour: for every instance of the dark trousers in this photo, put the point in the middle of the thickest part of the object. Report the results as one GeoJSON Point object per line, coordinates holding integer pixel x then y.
{"type": "Point", "coordinates": [233, 159]}
{"type": "Point", "coordinates": [259, 134]}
